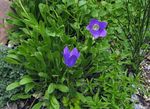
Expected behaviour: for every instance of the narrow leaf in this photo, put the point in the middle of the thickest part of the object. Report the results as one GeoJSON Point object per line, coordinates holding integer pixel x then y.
{"type": "Point", "coordinates": [20, 96]}
{"type": "Point", "coordinates": [29, 87]}
{"type": "Point", "coordinates": [37, 105]}
{"type": "Point", "coordinates": [13, 86]}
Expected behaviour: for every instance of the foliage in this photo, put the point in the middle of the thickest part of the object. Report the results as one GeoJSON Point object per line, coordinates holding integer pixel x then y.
{"type": "Point", "coordinates": [8, 74]}
{"type": "Point", "coordinates": [99, 80]}
{"type": "Point", "coordinates": [136, 29]}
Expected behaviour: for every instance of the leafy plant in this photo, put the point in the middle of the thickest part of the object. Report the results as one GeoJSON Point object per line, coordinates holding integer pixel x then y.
{"type": "Point", "coordinates": [8, 74]}
{"type": "Point", "coordinates": [42, 29]}
{"type": "Point", "coordinates": [136, 29]}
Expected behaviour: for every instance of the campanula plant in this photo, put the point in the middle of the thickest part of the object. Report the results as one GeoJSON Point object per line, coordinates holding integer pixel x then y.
{"type": "Point", "coordinates": [72, 60]}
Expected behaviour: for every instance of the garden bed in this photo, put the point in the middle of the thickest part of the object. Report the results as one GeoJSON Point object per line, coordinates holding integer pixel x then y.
{"type": "Point", "coordinates": [76, 55]}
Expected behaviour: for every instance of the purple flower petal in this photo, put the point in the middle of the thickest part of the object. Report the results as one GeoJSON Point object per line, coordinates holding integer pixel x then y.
{"type": "Point", "coordinates": [103, 33]}
{"type": "Point", "coordinates": [88, 27]}
{"type": "Point", "coordinates": [96, 28]}
{"type": "Point", "coordinates": [103, 25]}
{"type": "Point", "coordinates": [66, 50]}
{"type": "Point", "coordinates": [92, 22]}
{"type": "Point", "coordinates": [95, 34]}
{"type": "Point", "coordinates": [72, 60]}
{"type": "Point", "coordinates": [66, 54]}
{"type": "Point", "coordinates": [75, 52]}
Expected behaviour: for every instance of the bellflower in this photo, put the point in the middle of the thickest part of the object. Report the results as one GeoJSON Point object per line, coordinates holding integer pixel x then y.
{"type": "Point", "coordinates": [97, 28]}
{"type": "Point", "coordinates": [70, 57]}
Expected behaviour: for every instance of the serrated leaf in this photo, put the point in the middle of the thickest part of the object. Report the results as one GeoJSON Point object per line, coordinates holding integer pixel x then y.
{"type": "Point", "coordinates": [13, 86]}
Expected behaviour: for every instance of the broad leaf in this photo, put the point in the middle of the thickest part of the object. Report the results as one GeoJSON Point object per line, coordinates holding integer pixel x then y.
{"type": "Point", "coordinates": [25, 80]}
{"type": "Point", "coordinates": [13, 86]}
{"type": "Point", "coordinates": [51, 88]}
{"type": "Point", "coordinates": [37, 105]}
{"type": "Point", "coordinates": [62, 88]}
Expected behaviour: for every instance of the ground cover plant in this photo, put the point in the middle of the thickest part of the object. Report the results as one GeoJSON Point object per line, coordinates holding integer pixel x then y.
{"type": "Point", "coordinates": [8, 74]}
{"type": "Point", "coordinates": [75, 53]}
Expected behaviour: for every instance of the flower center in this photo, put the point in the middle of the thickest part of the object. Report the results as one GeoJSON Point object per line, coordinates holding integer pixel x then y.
{"type": "Point", "coordinates": [95, 27]}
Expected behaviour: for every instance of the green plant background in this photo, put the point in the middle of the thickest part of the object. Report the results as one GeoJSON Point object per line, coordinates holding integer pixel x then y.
{"type": "Point", "coordinates": [8, 74]}
{"type": "Point", "coordinates": [99, 80]}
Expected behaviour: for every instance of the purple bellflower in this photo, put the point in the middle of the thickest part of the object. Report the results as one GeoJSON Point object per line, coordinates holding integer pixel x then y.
{"type": "Point", "coordinates": [70, 57]}
{"type": "Point", "coordinates": [96, 28]}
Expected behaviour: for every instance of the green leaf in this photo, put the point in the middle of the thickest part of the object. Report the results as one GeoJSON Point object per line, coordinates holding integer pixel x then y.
{"type": "Point", "coordinates": [13, 86]}
{"type": "Point", "coordinates": [44, 75]}
{"type": "Point", "coordinates": [96, 97]}
{"type": "Point", "coordinates": [51, 88]}
{"type": "Point", "coordinates": [20, 96]}
{"type": "Point", "coordinates": [11, 60]}
{"type": "Point", "coordinates": [43, 10]}
{"type": "Point", "coordinates": [25, 80]}
{"type": "Point", "coordinates": [51, 32]}
{"type": "Point", "coordinates": [65, 101]}
{"type": "Point", "coordinates": [64, 1]}
{"type": "Point", "coordinates": [82, 2]}
{"type": "Point", "coordinates": [37, 105]}
{"type": "Point", "coordinates": [81, 97]}
{"type": "Point", "coordinates": [62, 88]}
{"type": "Point", "coordinates": [46, 95]}
{"type": "Point", "coordinates": [104, 3]}
{"type": "Point", "coordinates": [39, 56]}
{"type": "Point", "coordinates": [54, 102]}
{"type": "Point", "coordinates": [29, 87]}
{"type": "Point", "coordinates": [95, 13]}
{"type": "Point", "coordinates": [13, 56]}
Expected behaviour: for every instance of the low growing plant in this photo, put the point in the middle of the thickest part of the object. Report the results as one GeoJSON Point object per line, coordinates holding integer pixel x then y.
{"type": "Point", "coordinates": [136, 29]}
{"type": "Point", "coordinates": [70, 52]}
{"type": "Point", "coordinates": [8, 74]}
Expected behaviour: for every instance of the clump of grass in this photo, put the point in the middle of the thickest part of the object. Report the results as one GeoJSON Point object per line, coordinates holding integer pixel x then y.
{"type": "Point", "coordinates": [136, 29]}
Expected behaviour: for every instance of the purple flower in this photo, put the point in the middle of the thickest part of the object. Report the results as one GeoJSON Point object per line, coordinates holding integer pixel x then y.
{"type": "Point", "coordinates": [96, 28]}
{"type": "Point", "coordinates": [70, 57]}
